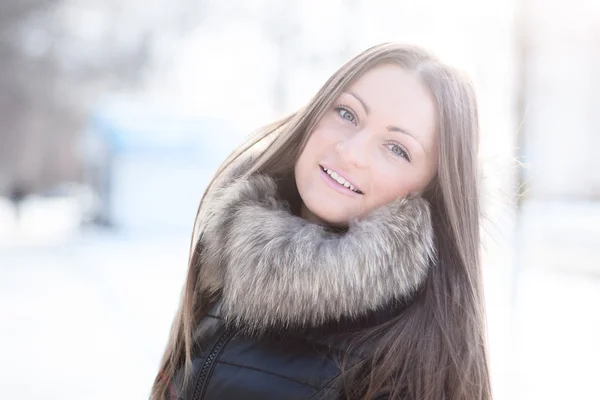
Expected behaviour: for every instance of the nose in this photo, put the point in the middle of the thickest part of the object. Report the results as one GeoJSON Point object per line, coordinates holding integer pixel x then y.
{"type": "Point", "coordinates": [353, 150]}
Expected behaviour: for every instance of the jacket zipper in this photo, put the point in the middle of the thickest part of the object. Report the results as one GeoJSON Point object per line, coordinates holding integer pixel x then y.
{"type": "Point", "coordinates": [209, 363]}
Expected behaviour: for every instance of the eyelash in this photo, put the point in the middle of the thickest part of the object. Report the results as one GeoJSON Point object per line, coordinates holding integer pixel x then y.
{"type": "Point", "coordinates": [404, 153]}
{"type": "Point", "coordinates": [340, 107]}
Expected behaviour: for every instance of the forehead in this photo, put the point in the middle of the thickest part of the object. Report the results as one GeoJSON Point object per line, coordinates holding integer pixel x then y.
{"type": "Point", "coordinates": [397, 97]}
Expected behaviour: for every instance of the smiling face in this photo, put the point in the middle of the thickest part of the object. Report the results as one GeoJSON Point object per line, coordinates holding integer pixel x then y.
{"type": "Point", "coordinates": [376, 144]}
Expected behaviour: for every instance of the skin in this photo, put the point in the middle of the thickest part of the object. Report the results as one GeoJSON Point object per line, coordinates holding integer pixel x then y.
{"type": "Point", "coordinates": [380, 135]}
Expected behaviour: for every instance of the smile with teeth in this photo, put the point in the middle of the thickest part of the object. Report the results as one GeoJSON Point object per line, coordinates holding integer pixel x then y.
{"type": "Point", "coordinates": [341, 180]}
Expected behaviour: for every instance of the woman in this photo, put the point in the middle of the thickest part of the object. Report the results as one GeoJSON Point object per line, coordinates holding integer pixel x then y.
{"type": "Point", "coordinates": [336, 255]}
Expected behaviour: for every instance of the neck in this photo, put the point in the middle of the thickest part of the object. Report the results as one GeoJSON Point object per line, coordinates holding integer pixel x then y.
{"type": "Point", "coordinates": [308, 215]}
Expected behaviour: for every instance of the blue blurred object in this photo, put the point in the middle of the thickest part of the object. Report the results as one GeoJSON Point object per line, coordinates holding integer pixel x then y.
{"type": "Point", "coordinates": [149, 165]}
{"type": "Point", "coordinates": [133, 127]}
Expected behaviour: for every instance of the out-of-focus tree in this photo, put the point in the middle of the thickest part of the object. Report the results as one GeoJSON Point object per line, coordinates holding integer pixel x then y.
{"type": "Point", "coordinates": [56, 58]}
{"type": "Point", "coordinates": [24, 87]}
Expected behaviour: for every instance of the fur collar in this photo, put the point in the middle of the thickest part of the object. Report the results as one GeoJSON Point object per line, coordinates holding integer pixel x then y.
{"type": "Point", "coordinates": [272, 269]}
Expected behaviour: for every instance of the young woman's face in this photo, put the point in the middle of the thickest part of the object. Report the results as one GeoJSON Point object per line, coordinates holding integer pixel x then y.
{"type": "Point", "coordinates": [375, 145]}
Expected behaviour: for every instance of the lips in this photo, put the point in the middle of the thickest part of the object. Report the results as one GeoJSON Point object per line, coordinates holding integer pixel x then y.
{"type": "Point", "coordinates": [340, 180]}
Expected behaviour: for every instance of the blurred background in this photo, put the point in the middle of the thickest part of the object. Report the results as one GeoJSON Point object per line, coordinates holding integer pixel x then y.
{"type": "Point", "coordinates": [115, 114]}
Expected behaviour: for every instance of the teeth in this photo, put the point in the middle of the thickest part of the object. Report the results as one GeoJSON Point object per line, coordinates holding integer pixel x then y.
{"type": "Point", "coordinates": [340, 180]}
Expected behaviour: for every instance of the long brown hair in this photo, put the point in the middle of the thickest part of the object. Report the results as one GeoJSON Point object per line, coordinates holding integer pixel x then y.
{"type": "Point", "coordinates": [436, 348]}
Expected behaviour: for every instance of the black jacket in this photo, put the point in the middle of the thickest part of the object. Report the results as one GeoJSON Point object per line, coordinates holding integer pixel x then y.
{"type": "Point", "coordinates": [229, 364]}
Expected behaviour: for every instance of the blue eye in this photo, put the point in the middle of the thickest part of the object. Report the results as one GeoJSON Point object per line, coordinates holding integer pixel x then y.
{"type": "Point", "coordinates": [398, 150]}
{"type": "Point", "coordinates": [346, 114]}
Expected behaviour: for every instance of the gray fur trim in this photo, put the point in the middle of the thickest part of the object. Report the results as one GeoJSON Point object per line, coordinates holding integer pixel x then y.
{"type": "Point", "coordinates": [274, 269]}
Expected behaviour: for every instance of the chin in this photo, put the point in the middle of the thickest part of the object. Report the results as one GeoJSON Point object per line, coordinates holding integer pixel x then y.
{"type": "Point", "coordinates": [331, 216]}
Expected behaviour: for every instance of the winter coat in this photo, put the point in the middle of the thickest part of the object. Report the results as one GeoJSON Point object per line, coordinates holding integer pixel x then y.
{"type": "Point", "coordinates": [292, 295]}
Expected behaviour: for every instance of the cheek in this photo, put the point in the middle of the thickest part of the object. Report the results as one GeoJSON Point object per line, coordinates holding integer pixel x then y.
{"type": "Point", "coordinates": [323, 134]}
{"type": "Point", "coordinates": [320, 141]}
{"type": "Point", "coordinates": [309, 158]}
{"type": "Point", "coordinates": [390, 184]}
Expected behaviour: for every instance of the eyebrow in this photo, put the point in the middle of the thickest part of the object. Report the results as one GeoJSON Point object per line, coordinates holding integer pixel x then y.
{"type": "Point", "coordinates": [390, 128]}
{"type": "Point", "coordinates": [367, 110]}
